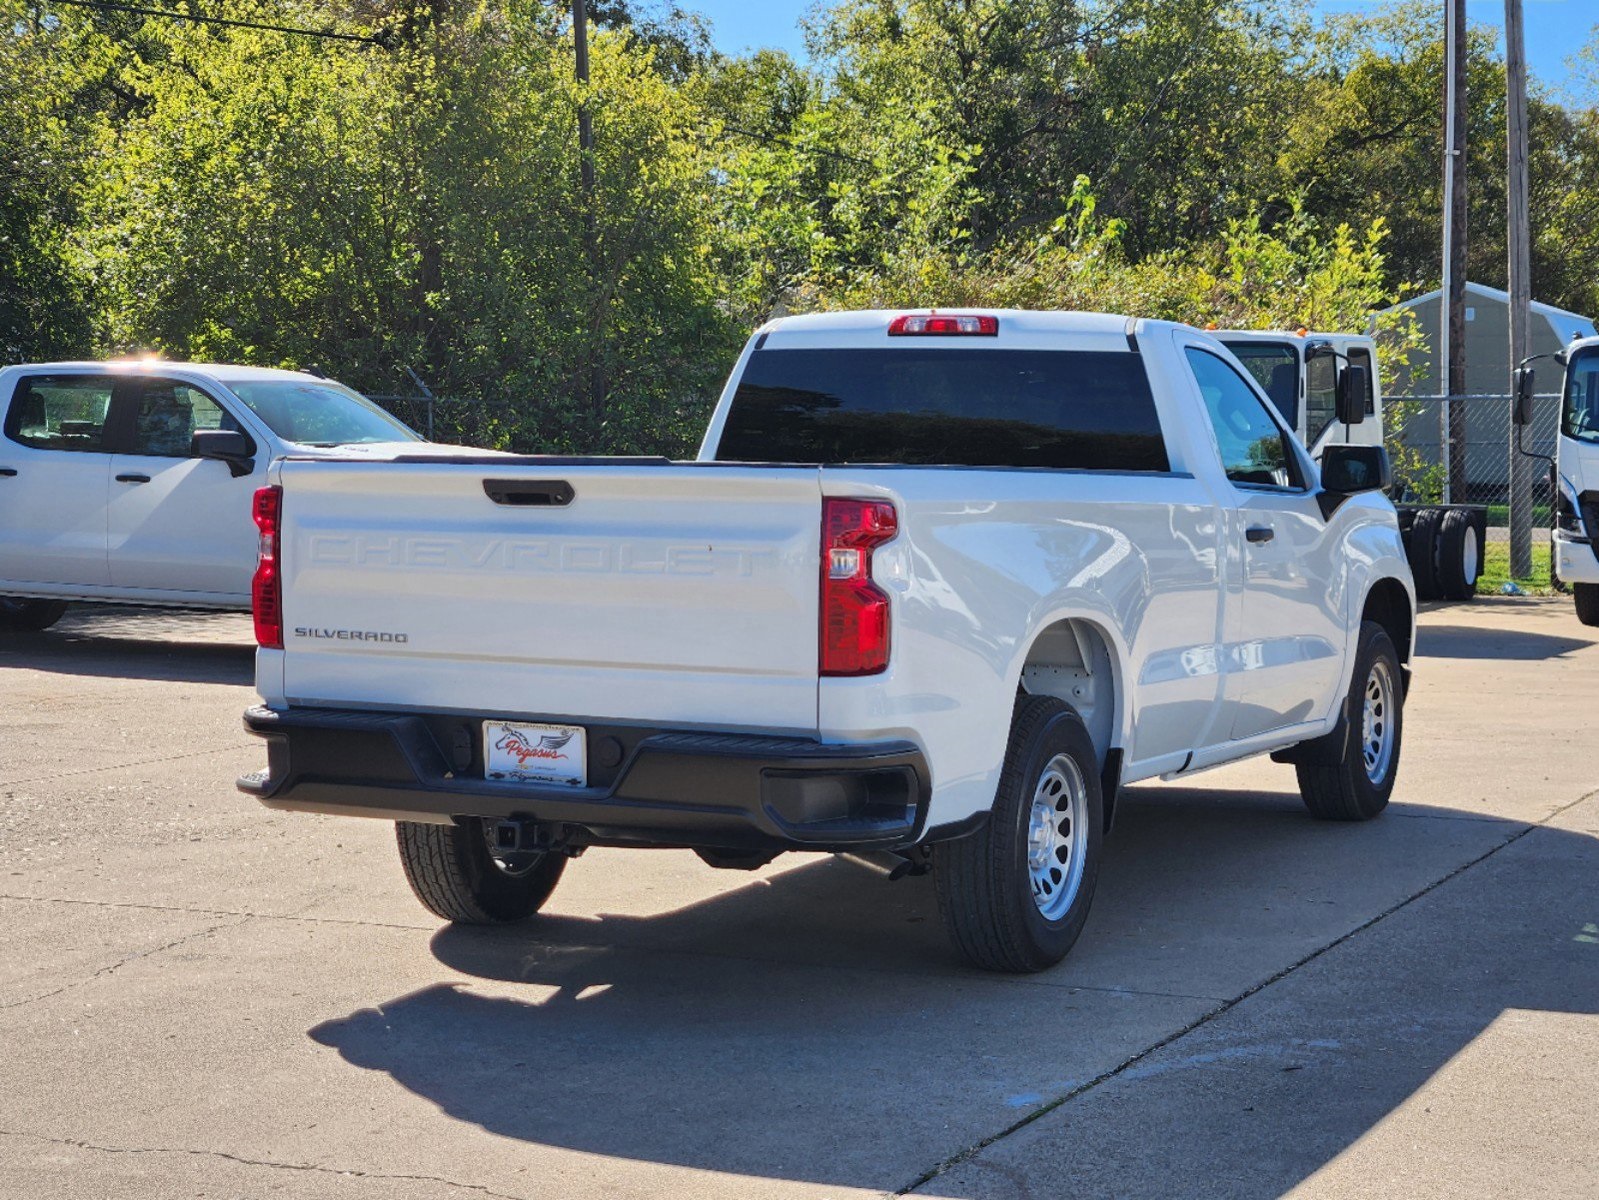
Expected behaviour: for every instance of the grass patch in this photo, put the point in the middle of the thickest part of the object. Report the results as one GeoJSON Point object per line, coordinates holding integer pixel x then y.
{"type": "Point", "coordinates": [1496, 570]}
{"type": "Point", "coordinates": [1499, 514]}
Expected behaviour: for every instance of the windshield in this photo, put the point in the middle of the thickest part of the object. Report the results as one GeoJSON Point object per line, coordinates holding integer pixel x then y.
{"type": "Point", "coordinates": [1275, 366]}
{"type": "Point", "coordinates": [319, 412]}
{"type": "Point", "coordinates": [1579, 414]}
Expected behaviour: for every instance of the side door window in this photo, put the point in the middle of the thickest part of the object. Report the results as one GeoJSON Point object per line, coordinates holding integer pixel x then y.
{"type": "Point", "coordinates": [1321, 396]}
{"type": "Point", "coordinates": [1361, 357]}
{"type": "Point", "coordinates": [168, 413]}
{"type": "Point", "coordinates": [1255, 451]}
{"type": "Point", "coordinates": [60, 412]}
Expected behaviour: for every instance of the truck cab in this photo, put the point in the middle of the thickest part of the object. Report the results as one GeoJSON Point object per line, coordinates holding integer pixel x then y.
{"type": "Point", "coordinates": [1576, 526]}
{"type": "Point", "coordinates": [1300, 372]}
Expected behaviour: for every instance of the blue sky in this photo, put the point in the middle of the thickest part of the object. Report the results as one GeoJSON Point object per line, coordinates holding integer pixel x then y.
{"type": "Point", "coordinates": [1555, 28]}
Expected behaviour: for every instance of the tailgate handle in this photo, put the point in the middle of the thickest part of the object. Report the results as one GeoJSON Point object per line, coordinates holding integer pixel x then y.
{"type": "Point", "coordinates": [529, 493]}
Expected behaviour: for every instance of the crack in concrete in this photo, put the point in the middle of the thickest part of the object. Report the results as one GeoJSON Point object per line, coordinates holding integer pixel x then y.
{"type": "Point", "coordinates": [147, 762]}
{"type": "Point", "coordinates": [317, 1168]}
{"type": "Point", "coordinates": [112, 968]}
{"type": "Point", "coordinates": [970, 1152]}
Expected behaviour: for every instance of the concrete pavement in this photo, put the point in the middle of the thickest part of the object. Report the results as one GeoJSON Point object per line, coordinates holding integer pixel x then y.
{"type": "Point", "coordinates": [200, 998]}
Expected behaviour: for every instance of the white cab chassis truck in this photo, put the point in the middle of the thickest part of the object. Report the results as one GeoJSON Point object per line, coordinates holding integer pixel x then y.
{"type": "Point", "coordinates": [1302, 373]}
{"type": "Point", "coordinates": [131, 482]}
{"type": "Point", "coordinates": [937, 587]}
{"type": "Point", "coordinates": [1576, 525]}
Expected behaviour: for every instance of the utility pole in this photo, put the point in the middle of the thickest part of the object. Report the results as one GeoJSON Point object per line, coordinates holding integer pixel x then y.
{"type": "Point", "coordinates": [1518, 238]}
{"type": "Point", "coordinates": [591, 242]}
{"type": "Point", "coordinates": [1452, 313]}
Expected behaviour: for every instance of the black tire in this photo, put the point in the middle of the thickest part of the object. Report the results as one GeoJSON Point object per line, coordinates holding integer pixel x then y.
{"type": "Point", "coordinates": [1587, 598]}
{"type": "Point", "coordinates": [456, 876]}
{"type": "Point", "coordinates": [1459, 555]}
{"type": "Point", "coordinates": [984, 883]}
{"type": "Point", "coordinates": [29, 616]}
{"type": "Point", "coordinates": [1347, 791]}
{"type": "Point", "coordinates": [1422, 550]}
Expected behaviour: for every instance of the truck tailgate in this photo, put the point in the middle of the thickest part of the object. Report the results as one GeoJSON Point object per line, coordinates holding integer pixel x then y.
{"type": "Point", "coordinates": [661, 593]}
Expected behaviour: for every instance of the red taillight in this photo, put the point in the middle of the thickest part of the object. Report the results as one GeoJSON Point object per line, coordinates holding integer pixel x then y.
{"type": "Point", "coordinates": [943, 325]}
{"type": "Point", "coordinates": [854, 624]}
{"type": "Point", "coordinates": [266, 589]}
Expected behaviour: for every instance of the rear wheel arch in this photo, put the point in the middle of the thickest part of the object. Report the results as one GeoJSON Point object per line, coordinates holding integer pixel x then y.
{"type": "Point", "coordinates": [1076, 660]}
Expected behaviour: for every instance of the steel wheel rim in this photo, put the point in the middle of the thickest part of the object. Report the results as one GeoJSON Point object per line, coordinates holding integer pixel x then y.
{"type": "Point", "coordinates": [1471, 555]}
{"type": "Point", "coordinates": [1377, 732]}
{"type": "Point", "coordinates": [1057, 833]}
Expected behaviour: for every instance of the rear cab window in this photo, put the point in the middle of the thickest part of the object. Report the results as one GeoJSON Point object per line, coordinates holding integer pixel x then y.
{"type": "Point", "coordinates": [60, 412]}
{"type": "Point", "coordinates": [973, 407]}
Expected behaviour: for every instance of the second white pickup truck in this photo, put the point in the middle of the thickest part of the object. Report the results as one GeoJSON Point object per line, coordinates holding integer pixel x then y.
{"type": "Point", "coordinates": [131, 482]}
{"type": "Point", "coordinates": [937, 587]}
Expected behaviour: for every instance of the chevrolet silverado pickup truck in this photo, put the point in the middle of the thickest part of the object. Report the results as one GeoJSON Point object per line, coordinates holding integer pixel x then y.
{"type": "Point", "coordinates": [939, 585]}
{"type": "Point", "coordinates": [131, 482]}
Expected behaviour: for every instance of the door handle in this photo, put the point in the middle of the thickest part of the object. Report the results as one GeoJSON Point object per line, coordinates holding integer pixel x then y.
{"type": "Point", "coordinates": [8, 471]}
{"type": "Point", "coordinates": [1260, 533]}
{"type": "Point", "coordinates": [133, 479]}
{"type": "Point", "coordinates": [529, 493]}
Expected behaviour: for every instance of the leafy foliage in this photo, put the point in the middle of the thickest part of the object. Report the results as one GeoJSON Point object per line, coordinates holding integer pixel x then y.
{"type": "Point", "coordinates": [214, 192]}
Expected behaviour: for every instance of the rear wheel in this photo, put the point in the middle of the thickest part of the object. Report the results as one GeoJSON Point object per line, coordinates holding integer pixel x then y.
{"type": "Point", "coordinates": [1422, 550]}
{"type": "Point", "coordinates": [29, 615]}
{"type": "Point", "coordinates": [458, 874]}
{"type": "Point", "coordinates": [1587, 598]}
{"type": "Point", "coordinates": [1358, 788]}
{"type": "Point", "coordinates": [1016, 893]}
{"type": "Point", "coordinates": [1459, 555]}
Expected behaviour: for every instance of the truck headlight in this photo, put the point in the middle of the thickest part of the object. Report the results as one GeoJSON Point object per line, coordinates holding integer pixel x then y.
{"type": "Point", "coordinates": [1568, 517]}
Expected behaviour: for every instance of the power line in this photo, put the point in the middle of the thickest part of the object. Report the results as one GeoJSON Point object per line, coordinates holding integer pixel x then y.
{"type": "Point", "coordinates": [136, 10]}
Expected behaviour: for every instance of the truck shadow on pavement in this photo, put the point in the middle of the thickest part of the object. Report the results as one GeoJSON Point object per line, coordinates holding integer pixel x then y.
{"type": "Point", "coordinates": [134, 643]}
{"type": "Point", "coordinates": [813, 1026]}
{"type": "Point", "coordinates": [1516, 645]}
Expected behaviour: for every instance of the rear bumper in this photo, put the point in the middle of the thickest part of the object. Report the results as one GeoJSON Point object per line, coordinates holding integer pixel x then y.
{"type": "Point", "coordinates": [648, 787]}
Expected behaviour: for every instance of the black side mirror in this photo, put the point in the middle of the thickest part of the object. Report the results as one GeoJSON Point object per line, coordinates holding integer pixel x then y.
{"type": "Point", "coordinates": [1348, 470]}
{"type": "Point", "coordinates": [1525, 379]}
{"type": "Point", "coordinates": [1352, 395]}
{"type": "Point", "coordinates": [225, 445]}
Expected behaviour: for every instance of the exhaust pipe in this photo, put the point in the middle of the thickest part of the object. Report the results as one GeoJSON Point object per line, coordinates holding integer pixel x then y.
{"type": "Point", "coordinates": [885, 863]}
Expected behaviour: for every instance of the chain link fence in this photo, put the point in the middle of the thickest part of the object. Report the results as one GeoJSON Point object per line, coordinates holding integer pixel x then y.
{"type": "Point", "coordinates": [466, 422]}
{"type": "Point", "coordinates": [1480, 472]}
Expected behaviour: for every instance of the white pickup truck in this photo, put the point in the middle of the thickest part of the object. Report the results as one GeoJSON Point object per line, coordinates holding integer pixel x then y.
{"type": "Point", "coordinates": [131, 482]}
{"type": "Point", "coordinates": [937, 587]}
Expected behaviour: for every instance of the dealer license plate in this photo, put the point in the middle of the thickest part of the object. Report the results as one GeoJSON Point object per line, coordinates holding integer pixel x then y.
{"type": "Point", "coordinates": [535, 753]}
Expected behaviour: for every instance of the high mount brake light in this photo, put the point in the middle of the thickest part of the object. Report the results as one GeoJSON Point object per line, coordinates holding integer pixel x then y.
{"type": "Point", "coordinates": [266, 589]}
{"type": "Point", "coordinates": [854, 611]}
{"type": "Point", "coordinates": [943, 325]}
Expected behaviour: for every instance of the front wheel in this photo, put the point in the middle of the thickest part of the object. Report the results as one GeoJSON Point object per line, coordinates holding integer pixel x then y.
{"type": "Point", "coordinates": [458, 874]}
{"type": "Point", "coordinates": [1358, 787]}
{"type": "Point", "coordinates": [1016, 893]}
{"type": "Point", "coordinates": [30, 616]}
{"type": "Point", "coordinates": [1587, 597]}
